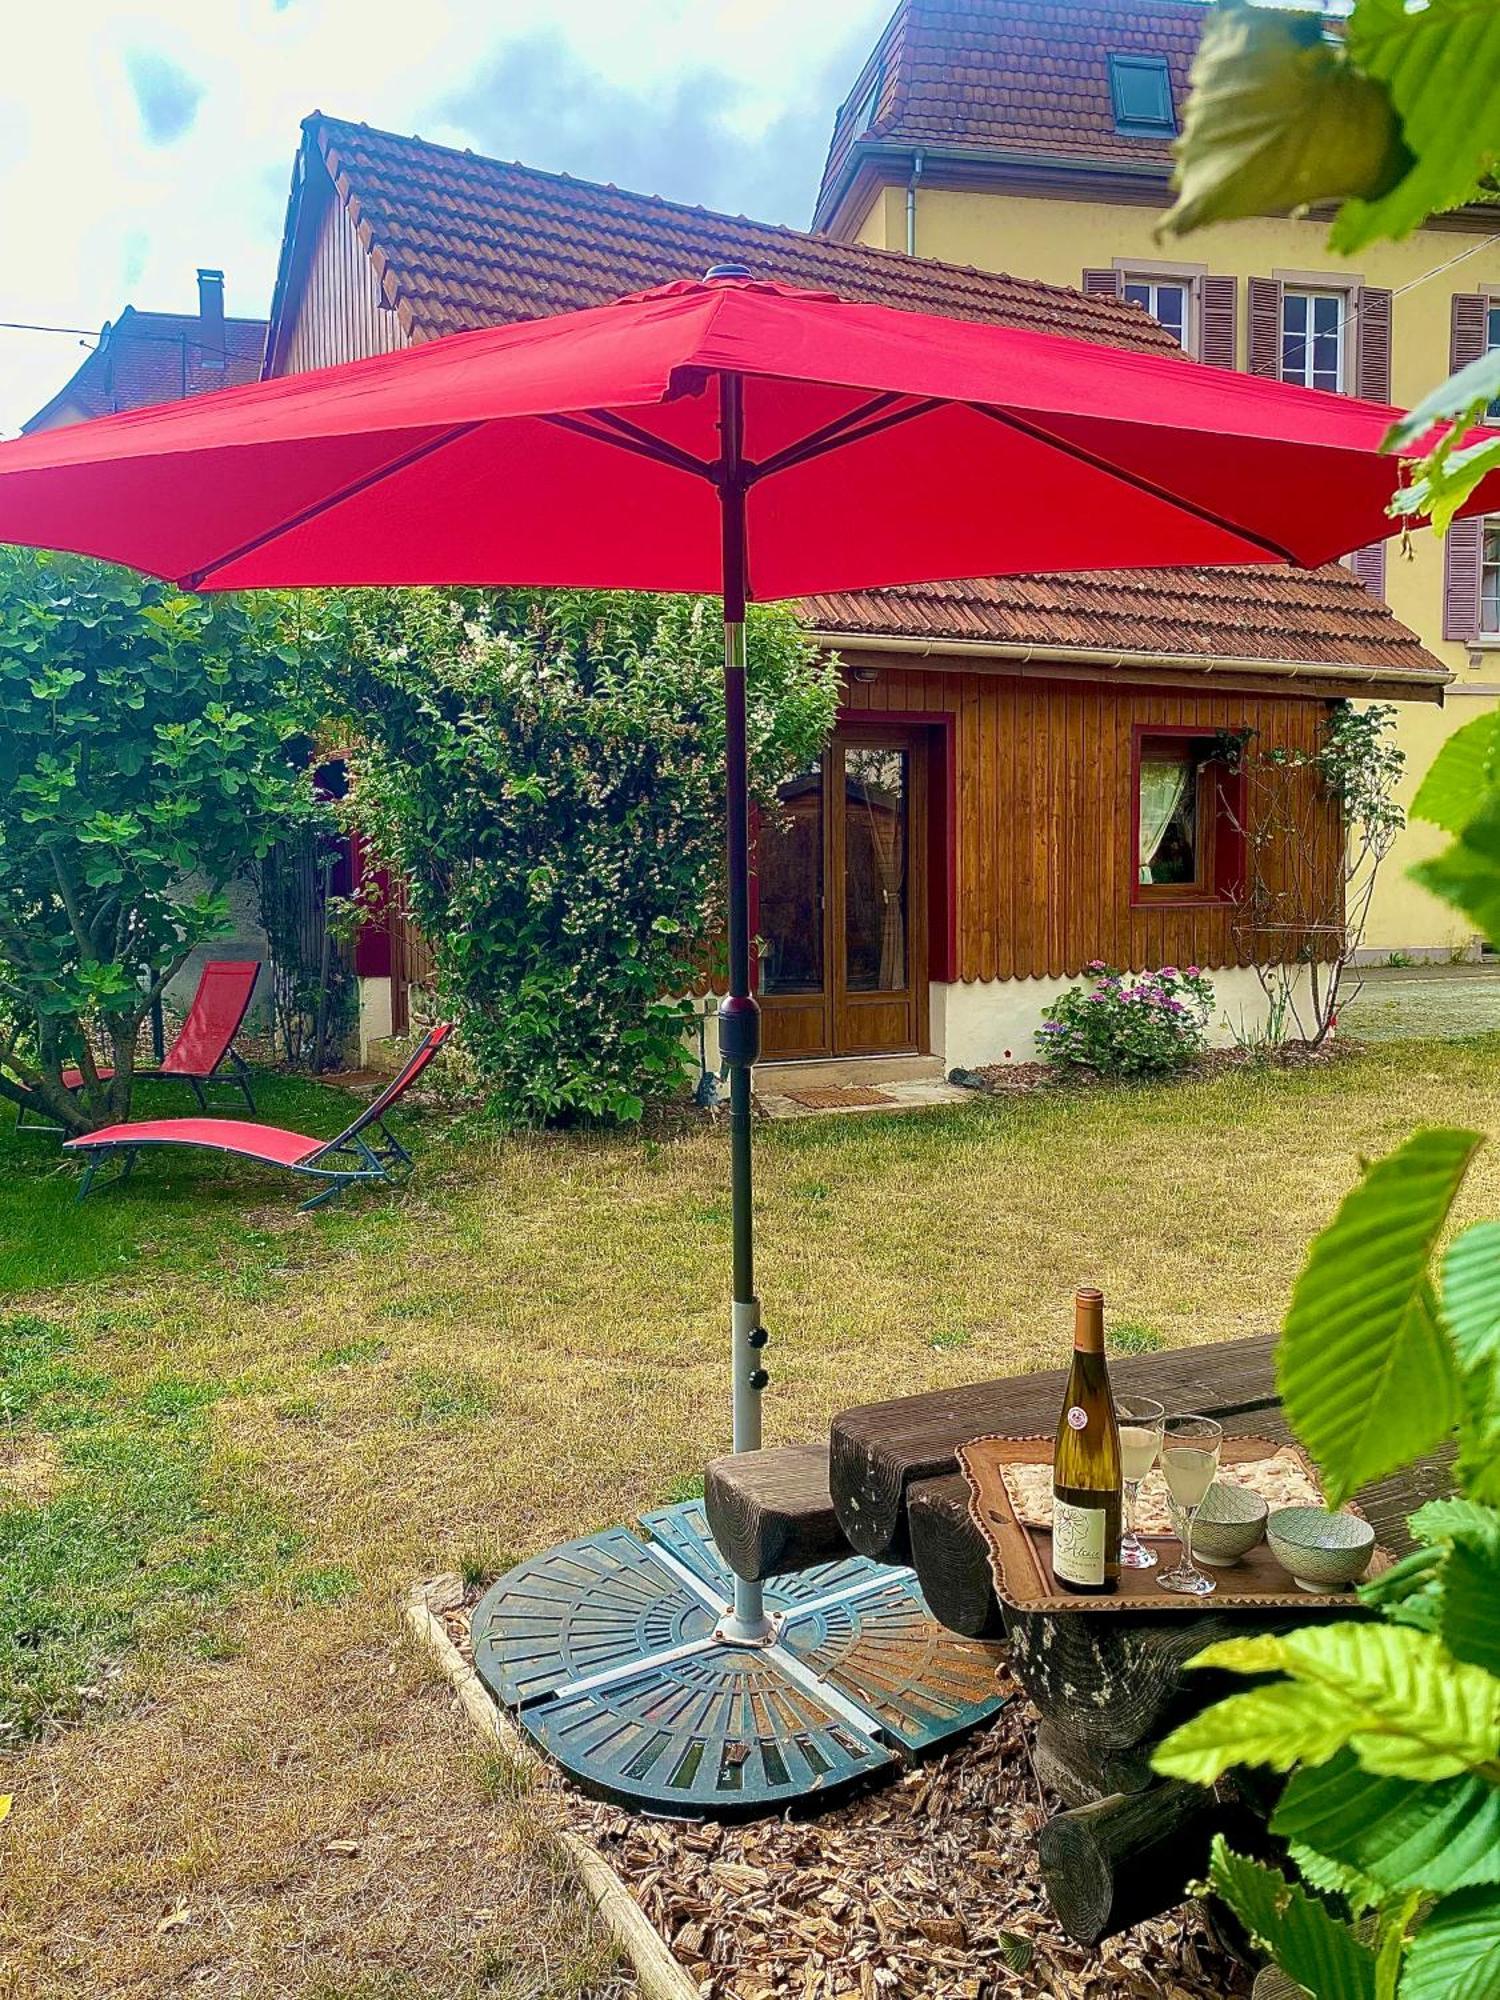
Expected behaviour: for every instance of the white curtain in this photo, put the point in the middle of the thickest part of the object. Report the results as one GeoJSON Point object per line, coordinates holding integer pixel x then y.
{"type": "Point", "coordinates": [1164, 783]}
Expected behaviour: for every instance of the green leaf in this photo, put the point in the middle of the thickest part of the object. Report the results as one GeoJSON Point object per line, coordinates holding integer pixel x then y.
{"type": "Point", "coordinates": [1463, 770]}
{"type": "Point", "coordinates": [1311, 1945]}
{"type": "Point", "coordinates": [1455, 1955]}
{"type": "Point", "coordinates": [1399, 1833]}
{"type": "Point", "coordinates": [1469, 1623]}
{"type": "Point", "coordinates": [1366, 1374]}
{"type": "Point", "coordinates": [1277, 118]}
{"type": "Point", "coordinates": [1471, 1289]}
{"type": "Point", "coordinates": [1439, 63]}
{"type": "Point", "coordinates": [1277, 1726]}
{"type": "Point", "coordinates": [1409, 1709]}
{"type": "Point", "coordinates": [1331, 1878]}
{"type": "Point", "coordinates": [1467, 873]}
{"type": "Point", "coordinates": [1410, 1591]}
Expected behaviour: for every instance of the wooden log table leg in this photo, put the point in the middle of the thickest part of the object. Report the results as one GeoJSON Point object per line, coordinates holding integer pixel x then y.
{"type": "Point", "coordinates": [1112, 1864]}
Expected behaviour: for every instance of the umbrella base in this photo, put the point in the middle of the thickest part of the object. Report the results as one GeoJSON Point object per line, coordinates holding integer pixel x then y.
{"type": "Point", "coordinates": [609, 1652]}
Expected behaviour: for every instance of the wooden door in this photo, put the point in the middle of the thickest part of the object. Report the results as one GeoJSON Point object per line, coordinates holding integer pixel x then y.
{"type": "Point", "coordinates": [842, 918]}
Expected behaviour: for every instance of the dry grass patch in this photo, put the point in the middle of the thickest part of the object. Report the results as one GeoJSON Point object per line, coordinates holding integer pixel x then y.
{"type": "Point", "coordinates": [527, 1344]}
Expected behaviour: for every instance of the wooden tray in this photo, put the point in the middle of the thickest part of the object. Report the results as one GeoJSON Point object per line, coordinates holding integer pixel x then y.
{"type": "Point", "coordinates": [1020, 1557]}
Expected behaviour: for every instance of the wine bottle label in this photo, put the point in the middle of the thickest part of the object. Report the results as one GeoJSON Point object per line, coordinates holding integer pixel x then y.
{"type": "Point", "coordinates": [1077, 1542]}
{"type": "Point", "coordinates": [1078, 1418]}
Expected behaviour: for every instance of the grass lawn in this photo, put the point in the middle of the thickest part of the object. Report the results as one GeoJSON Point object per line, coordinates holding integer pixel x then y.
{"type": "Point", "coordinates": [230, 1437]}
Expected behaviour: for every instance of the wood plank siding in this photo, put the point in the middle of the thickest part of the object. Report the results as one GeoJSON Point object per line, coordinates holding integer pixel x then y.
{"type": "Point", "coordinates": [1045, 821]}
{"type": "Point", "coordinates": [340, 314]}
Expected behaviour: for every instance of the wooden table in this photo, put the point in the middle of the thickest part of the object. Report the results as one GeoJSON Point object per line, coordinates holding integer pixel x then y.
{"type": "Point", "coordinates": [1108, 1689]}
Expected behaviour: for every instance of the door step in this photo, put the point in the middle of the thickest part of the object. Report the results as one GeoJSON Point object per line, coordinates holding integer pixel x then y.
{"type": "Point", "coordinates": [846, 1072]}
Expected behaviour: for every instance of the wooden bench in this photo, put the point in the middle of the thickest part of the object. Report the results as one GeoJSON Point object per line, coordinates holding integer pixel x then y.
{"type": "Point", "coordinates": [1108, 1689]}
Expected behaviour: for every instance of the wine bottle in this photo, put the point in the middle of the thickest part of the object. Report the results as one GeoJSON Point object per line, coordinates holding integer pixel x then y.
{"type": "Point", "coordinates": [1086, 1484]}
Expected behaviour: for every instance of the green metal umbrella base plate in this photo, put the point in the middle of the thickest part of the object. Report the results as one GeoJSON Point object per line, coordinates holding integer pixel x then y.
{"type": "Point", "coordinates": [606, 1651]}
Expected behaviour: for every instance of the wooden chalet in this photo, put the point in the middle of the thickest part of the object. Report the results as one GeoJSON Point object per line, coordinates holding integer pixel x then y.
{"type": "Point", "coordinates": [1029, 773]}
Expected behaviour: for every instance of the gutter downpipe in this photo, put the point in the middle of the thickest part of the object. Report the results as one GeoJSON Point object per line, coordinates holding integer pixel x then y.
{"type": "Point", "coordinates": [918, 159]}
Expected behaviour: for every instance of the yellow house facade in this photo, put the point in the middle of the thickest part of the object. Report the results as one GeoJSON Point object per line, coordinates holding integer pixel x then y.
{"type": "Point", "coordinates": [1033, 136]}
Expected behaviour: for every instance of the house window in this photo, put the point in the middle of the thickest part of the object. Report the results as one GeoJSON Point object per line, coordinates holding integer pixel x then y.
{"type": "Point", "coordinates": [1166, 299]}
{"type": "Point", "coordinates": [1491, 342]}
{"type": "Point", "coordinates": [1313, 326]}
{"type": "Point", "coordinates": [1187, 819]}
{"type": "Point", "coordinates": [869, 104]}
{"type": "Point", "coordinates": [1489, 578]}
{"type": "Point", "coordinates": [1141, 91]}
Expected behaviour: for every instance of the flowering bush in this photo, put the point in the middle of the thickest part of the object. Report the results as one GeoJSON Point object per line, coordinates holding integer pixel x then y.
{"type": "Point", "coordinates": [1141, 1025]}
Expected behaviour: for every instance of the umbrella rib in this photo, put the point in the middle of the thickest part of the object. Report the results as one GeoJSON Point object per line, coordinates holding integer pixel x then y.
{"type": "Point", "coordinates": [1136, 480]}
{"type": "Point", "coordinates": [194, 579]}
{"type": "Point", "coordinates": [631, 438]}
{"type": "Point", "coordinates": [869, 420]}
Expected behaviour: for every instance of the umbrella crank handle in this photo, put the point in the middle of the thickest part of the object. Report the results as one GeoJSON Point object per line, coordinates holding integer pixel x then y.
{"type": "Point", "coordinates": [748, 1338]}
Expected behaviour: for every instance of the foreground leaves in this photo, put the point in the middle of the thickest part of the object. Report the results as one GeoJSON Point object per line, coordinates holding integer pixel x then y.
{"type": "Point", "coordinates": [1278, 118]}
{"type": "Point", "coordinates": [1398, 1833]}
{"type": "Point", "coordinates": [1456, 1953]}
{"type": "Point", "coordinates": [1307, 1942]}
{"type": "Point", "coordinates": [1393, 1695]}
{"type": "Point", "coordinates": [1365, 1370]}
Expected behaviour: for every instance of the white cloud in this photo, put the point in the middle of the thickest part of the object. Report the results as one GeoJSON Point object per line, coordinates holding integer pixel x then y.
{"type": "Point", "coordinates": [95, 213]}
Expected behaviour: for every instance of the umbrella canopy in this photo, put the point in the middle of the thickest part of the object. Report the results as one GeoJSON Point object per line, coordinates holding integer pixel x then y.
{"type": "Point", "coordinates": [726, 436]}
{"type": "Point", "coordinates": [880, 447]}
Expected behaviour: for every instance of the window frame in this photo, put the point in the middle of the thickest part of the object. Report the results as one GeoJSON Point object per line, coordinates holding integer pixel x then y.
{"type": "Point", "coordinates": [1186, 282]}
{"type": "Point", "coordinates": [1488, 635]}
{"type": "Point", "coordinates": [1341, 295]}
{"type": "Point", "coordinates": [1122, 64]}
{"type": "Point", "coordinates": [1220, 818]}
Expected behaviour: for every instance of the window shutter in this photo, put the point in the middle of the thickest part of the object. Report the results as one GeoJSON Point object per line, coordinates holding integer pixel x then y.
{"type": "Point", "coordinates": [1369, 566]}
{"type": "Point", "coordinates": [1372, 381]}
{"type": "Point", "coordinates": [1469, 329]}
{"type": "Point", "coordinates": [1265, 327]}
{"type": "Point", "coordinates": [1107, 282]}
{"type": "Point", "coordinates": [1463, 541]}
{"type": "Point", "coordinates": [1372, 370]}
{"type": "Point", "coordinates": [1461, 547]}
{"type": "Point", "coordinates": [1218, 306]}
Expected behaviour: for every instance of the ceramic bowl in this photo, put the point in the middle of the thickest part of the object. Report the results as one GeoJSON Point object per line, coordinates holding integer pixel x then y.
{"type": "Point", "coordinates": [1322, 1551]}
{"type": "Point", "coordinates": [1230, 1522]}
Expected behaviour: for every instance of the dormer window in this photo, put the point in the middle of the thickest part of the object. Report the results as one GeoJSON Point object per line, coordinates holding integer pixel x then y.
{"type": "Point", "coordinates": [1140, 89]}
{"type": "Point", "coordinates": [868, 105]}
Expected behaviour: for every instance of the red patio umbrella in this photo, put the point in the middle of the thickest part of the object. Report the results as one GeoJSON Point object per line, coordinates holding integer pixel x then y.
{"type": "Point", "coordinates": [729, 436]}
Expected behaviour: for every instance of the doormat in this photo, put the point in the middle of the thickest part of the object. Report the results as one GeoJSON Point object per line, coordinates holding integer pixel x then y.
{"type": "Point", "coordinates": [838, 1096]}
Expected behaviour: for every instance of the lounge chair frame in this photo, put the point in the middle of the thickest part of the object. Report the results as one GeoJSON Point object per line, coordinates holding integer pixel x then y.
{"type": "Point", "coordinates": [366, 1150]}
{"type": "Point", "coordinates": [238, 1073]}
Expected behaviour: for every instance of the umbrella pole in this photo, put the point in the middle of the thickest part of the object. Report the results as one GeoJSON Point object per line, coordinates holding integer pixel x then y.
{"type": "Point", "coordinates": [739, 1015]}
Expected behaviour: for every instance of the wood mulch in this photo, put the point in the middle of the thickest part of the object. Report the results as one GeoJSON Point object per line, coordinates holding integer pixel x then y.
{"type": "Point", "coordinates": [1022, 1079]}
{"type": "Point", "coordinates": [925, 1885]}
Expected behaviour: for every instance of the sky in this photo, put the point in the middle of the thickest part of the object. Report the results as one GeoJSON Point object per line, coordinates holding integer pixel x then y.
{"type": "Point", "coordinates": [138, 141]}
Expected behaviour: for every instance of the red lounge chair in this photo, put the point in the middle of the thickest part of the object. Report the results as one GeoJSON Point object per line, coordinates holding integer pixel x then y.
{"type": "Point", "coordinates": [204, 1042]}
{"type": "Point", "coordinates": [364, 1151]}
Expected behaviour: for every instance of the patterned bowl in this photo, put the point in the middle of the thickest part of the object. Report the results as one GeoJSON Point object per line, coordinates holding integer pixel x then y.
{"type": "Point", "coordinates": [1230, 1522]}
{"type": "Point", "coordinates": [1322, 1551]}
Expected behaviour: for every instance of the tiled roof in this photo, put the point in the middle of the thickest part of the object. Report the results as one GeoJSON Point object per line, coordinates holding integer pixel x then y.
{"type": "Point", "coordinates": [467, 241]}
{"type": "Point", "coordinates": [1322, 617]}
{"type": "Point", "coordinates": [1011, 76]}
{"type": "Point", "coordinates": [151, 357]}
{"type": "Point", "coordinates": [461, 241]}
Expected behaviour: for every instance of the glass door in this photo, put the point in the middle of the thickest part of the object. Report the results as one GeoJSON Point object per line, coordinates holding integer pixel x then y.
{"type": "Point", "coordinates": [841, 917]}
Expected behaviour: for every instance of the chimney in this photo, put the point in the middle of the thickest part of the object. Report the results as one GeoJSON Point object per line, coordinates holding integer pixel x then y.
{"type": "Point", "coordinates": [210, 319]}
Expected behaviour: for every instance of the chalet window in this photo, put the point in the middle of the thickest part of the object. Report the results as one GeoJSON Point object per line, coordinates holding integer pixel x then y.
{"type": "Point", "coordinates": [1313, 330]}
{"type": "Point", "coordinates": [1140, 90]}
{"type": "Point", "coordinates": [1187, 819]}
{"type": "Point", "coordinates": [1491, 342]}
{"type": "Point", "coordinates": [1489, 579]}
{"type": "Point", "coordinates": [1166, 299]}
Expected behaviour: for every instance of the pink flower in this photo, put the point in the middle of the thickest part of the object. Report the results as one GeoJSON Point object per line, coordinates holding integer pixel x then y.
{"type": "Point", "coordinates": [1193, 972]}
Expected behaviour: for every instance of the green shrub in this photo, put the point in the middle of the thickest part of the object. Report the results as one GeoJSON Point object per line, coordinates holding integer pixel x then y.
{"type": "Point", "coordinates": [1130, 1026]}
{"type": "Point", "coordinates": [546, 772]}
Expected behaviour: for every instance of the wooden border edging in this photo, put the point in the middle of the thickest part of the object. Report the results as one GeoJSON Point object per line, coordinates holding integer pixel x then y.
{"type": "Point", "coordinates": [661, 1976]}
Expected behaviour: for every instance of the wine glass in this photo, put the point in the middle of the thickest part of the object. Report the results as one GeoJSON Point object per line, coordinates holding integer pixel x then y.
{"type": "Point", "coordinates": [1190, 1461]}
{"type": "Point", "coordinates": [1140, 1421]}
